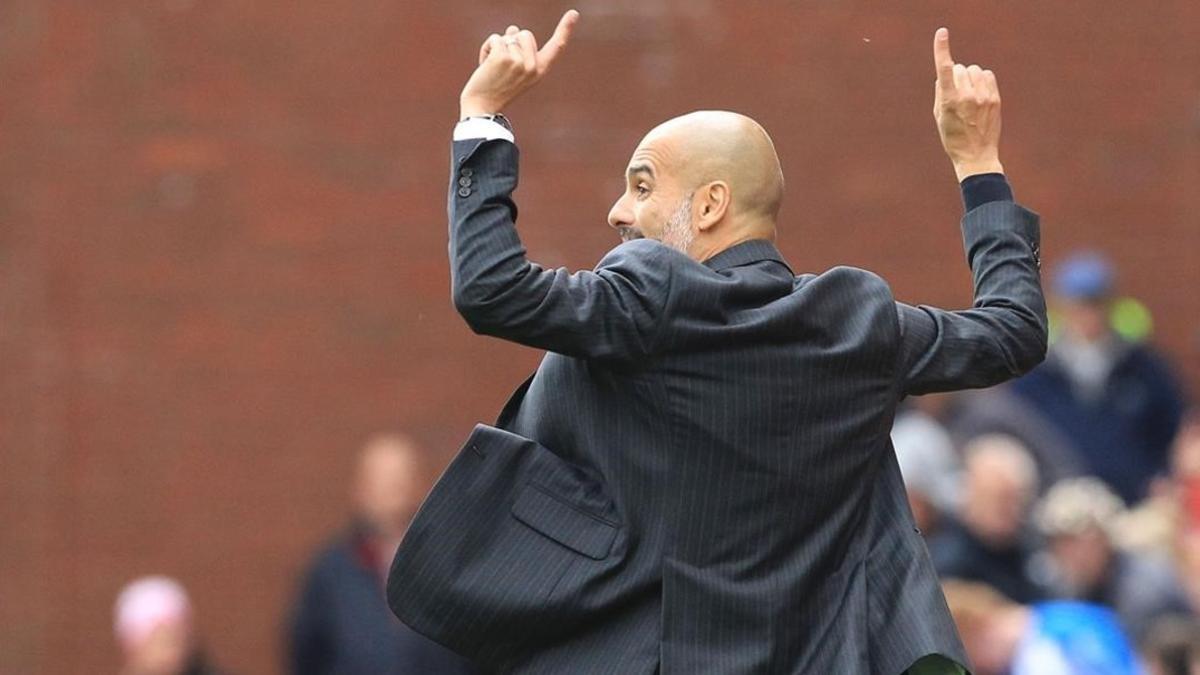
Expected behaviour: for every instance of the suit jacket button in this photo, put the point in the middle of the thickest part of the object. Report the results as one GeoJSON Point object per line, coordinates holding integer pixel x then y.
{"type": "Point", "coordinates": [464, 181]}
{"type": "Point", "coordinates": [464, 192]}
{"type": "Point", "coordinates": [468, 172]}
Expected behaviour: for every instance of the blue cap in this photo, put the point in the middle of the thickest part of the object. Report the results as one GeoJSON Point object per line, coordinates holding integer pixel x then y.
{"type": "Point", "coordinates": [1084, 276]}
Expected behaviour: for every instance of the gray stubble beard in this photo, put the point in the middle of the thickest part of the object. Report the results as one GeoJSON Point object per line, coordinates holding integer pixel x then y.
{"type": "Point", "coordinates": [677, 233]}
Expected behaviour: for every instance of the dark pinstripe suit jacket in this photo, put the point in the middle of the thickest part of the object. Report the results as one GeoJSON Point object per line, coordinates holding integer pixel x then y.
{"type": "Point", "coordinates": [698, 478]}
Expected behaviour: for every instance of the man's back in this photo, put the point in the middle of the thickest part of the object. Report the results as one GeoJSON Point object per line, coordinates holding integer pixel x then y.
{"type": "Point", "coordinates": [740, 459]}
{"type": "Point", "coordinates": [698, 478]}
{"type": "Point", "coordinates": [717, 433]}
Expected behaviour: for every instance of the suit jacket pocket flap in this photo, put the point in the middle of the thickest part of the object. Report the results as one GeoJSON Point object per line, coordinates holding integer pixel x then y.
{"type": "Point", "coordinates": [565, 523]}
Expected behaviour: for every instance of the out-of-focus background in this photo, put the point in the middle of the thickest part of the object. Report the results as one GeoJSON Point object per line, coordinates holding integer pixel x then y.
{"type": "Point", "coordinates": [222, 243]}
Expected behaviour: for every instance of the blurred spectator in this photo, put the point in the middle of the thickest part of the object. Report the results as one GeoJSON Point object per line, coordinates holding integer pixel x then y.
{"type": "Point", "coordinates": [930, 466]}
{"type": "Point", "coordinates": [341, 624]}
{"type": "Point", "coordinates": [1053, 638]}
{"type": "Point", "coordinates": [1185, 470]}
{"type": "Point", "coordinates": [990, 541]}
{"type": "Point", "coordinates": [1173, 506]}
{"type": "Point", "coordinates": [998, 410]}
{"type": "Point", "coordinates": [1114, 398]}
{"type": "Point", "coordinates": [1187, 558]}
{"type": "Point", "coordinates": [153, 624]}
{"type": "Point", "coordinates": [1075, 518]}
{"type": "Point", "coordinates": [1172, 647]}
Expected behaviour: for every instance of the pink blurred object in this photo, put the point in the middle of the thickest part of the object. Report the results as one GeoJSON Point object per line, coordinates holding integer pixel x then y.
{"type": "Point", "coordinates": [147, 603]}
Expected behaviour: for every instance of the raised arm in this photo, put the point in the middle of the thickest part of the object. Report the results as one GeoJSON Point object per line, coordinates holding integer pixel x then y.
{"type": "Point", "coordinates": [1004, 334]}
{"type": "Point", "coordinates": [610, 313]}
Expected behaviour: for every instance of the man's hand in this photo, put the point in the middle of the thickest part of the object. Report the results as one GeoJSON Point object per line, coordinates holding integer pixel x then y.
{"type": "Point", "coordinates": [510, 64]}
{"type": "Point", "coordinates": [966, 105]}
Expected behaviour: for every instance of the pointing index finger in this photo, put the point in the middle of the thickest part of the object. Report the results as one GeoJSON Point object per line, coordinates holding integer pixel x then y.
{"type": "Point", "coordinates": [562, 34]}
{"type": "Point", "coordinates": [942, 61]}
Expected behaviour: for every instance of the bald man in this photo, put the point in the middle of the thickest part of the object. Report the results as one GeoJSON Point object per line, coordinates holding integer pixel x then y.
{"type": "Point", "coordinates": [698, 478]}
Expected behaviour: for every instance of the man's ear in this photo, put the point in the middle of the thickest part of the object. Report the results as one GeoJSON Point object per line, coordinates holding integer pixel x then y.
{"type": "Point", "coordinates": [711, 204]}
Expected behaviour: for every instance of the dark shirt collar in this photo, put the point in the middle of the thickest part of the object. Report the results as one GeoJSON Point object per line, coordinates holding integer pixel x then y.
{"type": "Point", "coordinates": [752, 251]}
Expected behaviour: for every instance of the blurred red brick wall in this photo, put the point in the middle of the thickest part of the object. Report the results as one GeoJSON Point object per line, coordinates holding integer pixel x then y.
{"type": "Point", "coordinates": [222, 248]}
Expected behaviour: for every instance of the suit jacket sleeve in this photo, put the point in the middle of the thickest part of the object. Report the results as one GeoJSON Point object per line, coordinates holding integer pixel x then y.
{"type": "Point", "coordinates": [1004, 334]}
{"type": "Point", "coordinates": [612, 312]}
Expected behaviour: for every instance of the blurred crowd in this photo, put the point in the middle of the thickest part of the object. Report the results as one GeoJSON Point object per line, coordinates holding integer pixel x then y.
{"type": "Point", "coordinates": [1062, 511]}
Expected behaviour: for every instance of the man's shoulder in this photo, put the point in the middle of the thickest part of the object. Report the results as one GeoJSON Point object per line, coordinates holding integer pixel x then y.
{"type": "Point", "coordinates": [645, 252]}
{"type": "Point", "coordinates": [649, 268]}
{"type": "Point", "coordinates": [848, 275]}
{"type": "Point", "coordinates": [847, 291]}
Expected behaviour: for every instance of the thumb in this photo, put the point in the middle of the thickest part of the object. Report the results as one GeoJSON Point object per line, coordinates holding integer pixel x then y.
{"type": "Point", "coordinates": [942, 61]}
{"type": "Point", "coordinates": [494, 47]}
{"type": "Point", "coordinates": [562, 34]}
{"type": "Point", "coordinates": [488, 46]}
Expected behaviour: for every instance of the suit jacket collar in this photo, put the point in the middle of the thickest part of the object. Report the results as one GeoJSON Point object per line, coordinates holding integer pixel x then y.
{"type": "Point", "coordinates": [745, 253]}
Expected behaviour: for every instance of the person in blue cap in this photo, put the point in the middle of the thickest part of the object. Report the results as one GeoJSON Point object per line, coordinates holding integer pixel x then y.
{"type": "Point", "coordinates": [1112, 396]}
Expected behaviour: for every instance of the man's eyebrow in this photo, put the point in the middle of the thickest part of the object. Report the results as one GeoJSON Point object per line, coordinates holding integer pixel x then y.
{"type": "Point", "coordinates": [639, 168]}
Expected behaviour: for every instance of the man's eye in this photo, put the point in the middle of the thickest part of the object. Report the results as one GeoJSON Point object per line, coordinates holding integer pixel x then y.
{"type": "Point", "coordinates": [642, 190]}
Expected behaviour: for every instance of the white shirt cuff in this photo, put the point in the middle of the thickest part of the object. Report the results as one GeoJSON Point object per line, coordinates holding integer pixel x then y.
{"type": "Point", "coordinates": [478, 127]}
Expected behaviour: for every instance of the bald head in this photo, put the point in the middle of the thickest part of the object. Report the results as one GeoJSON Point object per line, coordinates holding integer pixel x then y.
{"type": "Point", "coordinates": [718, 145]}
{"type": "Point", "coordinates": [701, 183]}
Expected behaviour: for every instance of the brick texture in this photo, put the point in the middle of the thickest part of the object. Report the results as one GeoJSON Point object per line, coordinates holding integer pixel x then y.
{"type": "Point", "coordinates": [222, 247]}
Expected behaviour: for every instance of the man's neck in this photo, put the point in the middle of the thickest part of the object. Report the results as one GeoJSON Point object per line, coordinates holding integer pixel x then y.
{"type": "Point", "coordinates": [702, 250]}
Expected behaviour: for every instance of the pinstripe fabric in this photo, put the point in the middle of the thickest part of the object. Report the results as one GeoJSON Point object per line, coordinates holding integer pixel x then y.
{"type": "Point", "coordinates": [698, 477]}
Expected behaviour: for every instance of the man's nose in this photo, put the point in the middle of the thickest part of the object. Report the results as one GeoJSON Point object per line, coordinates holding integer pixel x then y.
{"type": "Point", "coordinates": [620, 215]}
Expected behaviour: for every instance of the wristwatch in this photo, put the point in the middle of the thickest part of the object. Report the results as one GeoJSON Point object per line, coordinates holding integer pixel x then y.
{"type": "Point", "coordinates": [498, 118]}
